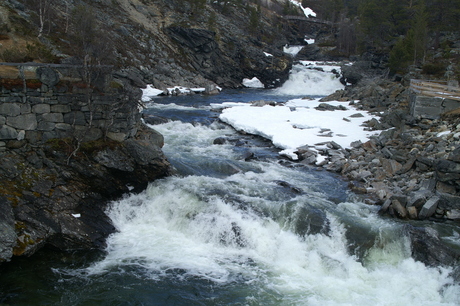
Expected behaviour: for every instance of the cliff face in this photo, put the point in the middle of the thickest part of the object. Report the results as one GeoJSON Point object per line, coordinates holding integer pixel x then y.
{"type": "Point", "coordinates": [187, 43]}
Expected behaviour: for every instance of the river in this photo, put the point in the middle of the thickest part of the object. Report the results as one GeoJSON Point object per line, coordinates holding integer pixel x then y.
{"type": "Point", "coordinates": [237, 225]}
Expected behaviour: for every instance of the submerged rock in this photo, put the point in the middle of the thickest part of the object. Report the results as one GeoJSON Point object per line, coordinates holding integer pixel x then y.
{"type": "Point", "coordinates": [428, 248]}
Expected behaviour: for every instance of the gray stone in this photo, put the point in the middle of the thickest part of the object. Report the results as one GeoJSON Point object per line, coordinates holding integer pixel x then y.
{"type": "Point", "coordinates": [86, 133]}
{"type": "Point", "coordinates": [399, 209]}
{"type": "Point", "coordinates": [53, 117]}
{"type": "Point", "coordinates": [418, 198]}
{"type": "Point", "coordinates": [7, 132]}
{"type": "Point", "coordinates": [47, 76]}
{"type": "Point", "coordinates": [453, 214]}
{"type": "Point", "coordinates": [2, 120]}
{"type": "Point", "coordinates": [356, 144]}
{"type": "Point", "coordinates": [15, 144]}
{"type": "Point", "coordinates": [117, 136]}
{"type": "Point", "coordinates": [41, 108]}
{"type": "Point", "coordinates": [34, 136]}
{"type": "Point", "coordinates": [10, 109]}
{"type": "Point", "coordinates": [75, 118]}
{"type": "Point", "coordinates": [429, 208]}
{"type": "Point", "coordinates": [8, 235]}
{"type": "Point", "coordinates": [26, 109]}
{"type": "Point", "coordinates": [426, 107]}
{"type": "Point", "coordinates": [390, 166]}
{"type": "Point", "coordinates": [46, 126]}
{"type": "Point", "coordinates": [21, 135]}
{"type": "Point", "coordinates": [142, 151]}
{"type": "Point", "coordinates": [59, 108]}
{"type": "Point", "coordinates": [23, 122]}
{"type": "Point", "coordinates": [115, 159]}
{"type": "Point", "coordinates": [384, 208]}
{"type": "Point", "coordinates": [412, 212]}
{"type": "Point", "coordinates": [49, 135]}
{"type": "Point", "coordinates": [63, 126]}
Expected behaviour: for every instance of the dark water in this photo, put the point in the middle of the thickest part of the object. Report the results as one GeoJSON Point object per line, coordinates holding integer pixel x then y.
{"type": "Point", "coordinates": [233, 230]}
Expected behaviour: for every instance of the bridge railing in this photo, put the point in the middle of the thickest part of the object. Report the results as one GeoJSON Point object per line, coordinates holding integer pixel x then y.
{"type": "Point", "coordinates": [440, 89]}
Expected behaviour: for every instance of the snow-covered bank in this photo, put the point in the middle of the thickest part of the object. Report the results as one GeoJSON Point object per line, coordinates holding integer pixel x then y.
{"type": "Point", "coordinates": [299, 123]}
{"type": "Point", "coordinates": [151, 92]}
{"type": "Point", "coordinates": [302, 122]}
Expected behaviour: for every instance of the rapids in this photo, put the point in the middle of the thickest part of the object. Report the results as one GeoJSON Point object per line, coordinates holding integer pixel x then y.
{"type": "Point", "coordinates": [232, 230]}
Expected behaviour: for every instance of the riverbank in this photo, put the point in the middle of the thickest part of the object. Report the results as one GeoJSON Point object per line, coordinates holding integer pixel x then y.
{"type": "Point", "coordinates": [411, 166]}
{"type": "Point", "coordinates": [395, 162]}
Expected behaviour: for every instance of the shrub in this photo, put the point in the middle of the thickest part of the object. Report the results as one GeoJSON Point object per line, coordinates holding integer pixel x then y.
{"type": "Point", "coordinates": [435, 69]}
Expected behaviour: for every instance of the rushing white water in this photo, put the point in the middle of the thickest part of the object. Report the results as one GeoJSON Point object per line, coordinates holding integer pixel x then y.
{"type": "Point", "coordinates": [311, 82]}
{"type": "Point", "coordinates": [260, 233]}
{"type": "Point", "coordinates": [244, 229]}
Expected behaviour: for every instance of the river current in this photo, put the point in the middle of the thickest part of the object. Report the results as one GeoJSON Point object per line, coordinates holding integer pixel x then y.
{"type": "Point", "coordinates": [233, 230]}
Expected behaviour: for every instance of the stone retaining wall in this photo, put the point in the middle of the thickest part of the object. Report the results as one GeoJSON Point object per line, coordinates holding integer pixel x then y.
{"type": "Point", "coordinates": [38, 103]}
{"type": "Point", "coordinates": [426, 107]}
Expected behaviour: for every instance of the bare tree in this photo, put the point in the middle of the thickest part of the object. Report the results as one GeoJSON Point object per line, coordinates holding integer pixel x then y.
{"type": "Point", "coordinates": [93, 51]}
{"type": "Point", "coordinates": [43, 7]}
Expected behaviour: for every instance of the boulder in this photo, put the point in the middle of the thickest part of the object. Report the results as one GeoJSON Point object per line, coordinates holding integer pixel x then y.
{"type": "Point", "coordinates": [399, 209]}
{"type": "Point", "coordinates": [429, 249]}
{"type": "Point", "coordinates": [390, 166]}
{"type": "Point", "coordinates": [47, 76]}
{"type": "Point", "coordinates": [429, 208]}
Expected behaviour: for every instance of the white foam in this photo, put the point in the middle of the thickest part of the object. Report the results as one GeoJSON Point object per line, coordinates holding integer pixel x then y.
{"type": "Point", "coordinates": [176, 225]}
{"type": "Point", "coordinates": [305, 81]}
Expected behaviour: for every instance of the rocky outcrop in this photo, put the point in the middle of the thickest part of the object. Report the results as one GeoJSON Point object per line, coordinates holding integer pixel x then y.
{"type": "Point", "coordinates": [51, 196]}
{"type": "Point", "coordinates": [204, 54]}
{"type": "Point", "coordinates": [412, 167]}
{"type": "Point", "coordinates": [66, 149]}
{"type": "Point", "coordinates": [169, 42]}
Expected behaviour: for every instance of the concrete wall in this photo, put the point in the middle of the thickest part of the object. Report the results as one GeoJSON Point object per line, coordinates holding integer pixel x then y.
{"type": "Point", "coordinates": [431, 107]}
{"type": "Point", "coordinates": [42, 102]}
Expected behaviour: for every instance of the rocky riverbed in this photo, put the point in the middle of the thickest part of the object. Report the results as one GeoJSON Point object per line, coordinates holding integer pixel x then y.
{"type": "Point", "coordinates": [412, 167]}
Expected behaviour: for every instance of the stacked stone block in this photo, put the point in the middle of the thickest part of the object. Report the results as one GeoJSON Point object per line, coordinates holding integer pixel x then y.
{"type": "Point", "coordinates": [47, 104]}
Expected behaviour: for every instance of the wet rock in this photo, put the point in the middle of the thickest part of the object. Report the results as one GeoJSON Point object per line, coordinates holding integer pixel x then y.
{"type": "Point", "coordinates": [399, 209]}
{"type": "Point", "coordinates": [329, 107]}
{"type": "Point", "coordinates": [419, 198]}
{"type": "Point", "coordinates": [115, 159]}
{"type": "Point", "coordinates": [412, 212]}
{"type": "Point", "coordinates": [429, 208]}
{"type": "Point", "coordinates": [8, 234]}
{"type": "Point", "coordinates": [306, 155]}
{"type": "Point", "coordinates": [429, 249]}
{"type": "Point", "coordinates": [220, 141]}
{"type": "Point", "coordinates": [453, 214]}
{"type": "Point", "coordinates": [289, 186]}
{"type": "Point", "coordinates": [154, 120]}
{"type": "Point", "coordinates": [310, 221]}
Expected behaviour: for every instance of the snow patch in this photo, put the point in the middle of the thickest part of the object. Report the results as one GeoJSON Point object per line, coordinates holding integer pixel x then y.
{"type": "Point", "coordinates": [253, 83]}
